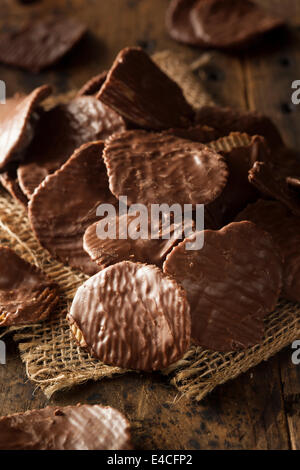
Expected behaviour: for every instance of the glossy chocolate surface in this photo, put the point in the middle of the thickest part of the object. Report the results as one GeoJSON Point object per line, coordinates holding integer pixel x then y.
{"type": "Point", "coordinates": [81, 427]}
{"type": "Point", "coordinates": [284, 227]}
{"type": "Point", "coordinates": [152, 168]}
{"type": "Point", "coordinates": [138, 90]}
{"type": "Point", "coordinates": [133, 316]}
{"type": "Point", "coordinates": [60, 132]}
{"type": "Point", "coordinates": [26, 294]}
{"type": "Point", "coordinates": [65, 205]}
{"type": "Point", "coordinates": [41, 43]}
{"type": "Point", "coordinates": [17, 124]}
{"type": "Point", "coordinates": [231, 285]}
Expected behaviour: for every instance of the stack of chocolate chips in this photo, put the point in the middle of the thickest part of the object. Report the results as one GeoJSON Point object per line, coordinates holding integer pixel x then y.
{"type": "Point", "coordinates": [130, 132]}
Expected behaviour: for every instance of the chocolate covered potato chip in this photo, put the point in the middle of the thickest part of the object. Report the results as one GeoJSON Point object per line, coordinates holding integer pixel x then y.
{"type": "Point", "coordinates": [232, 283]}
{"type": "Point", "coordinates": [132, 315]}
{"type": "Point", "coordinates": [227, 120]}
{"type": "Point", "coordinates": [65, 205]}
{"type": "Point", "coordinates": [18, 119]}
{"type": "Point", "coordinates": [141, 92]}
{"type": "Point", "coordinates": [284, 227]}
{"type": "Point", "coordinates": [148, 245]}
{"type": "Point", "coordinates": [81, 427]}
{"type": "Point", "coordinates": [240, 152]}
{"type": "Point", "coordinates": [153, 168]}
{"type": "Point", "coordinates": [26, 294]}
{"type": "Point", "coordinates": [39, 44]}
{"type": "Point", "coordinates": [278, 177]}
{"type": "Point", "coordinates": [62, 130]}
{"type": "Point", "coordinates": [221, 24]}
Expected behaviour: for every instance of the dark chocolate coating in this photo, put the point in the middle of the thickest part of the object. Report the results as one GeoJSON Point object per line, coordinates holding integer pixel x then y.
{"type": "Point", "coordinates": [9, 181]}
{"type": "Point", "coordinates": [278, 221]}
{"type": "Point", "coordinates": [60, 132]}
{"type": "Point", "coordinates": [227, 120]}
{"type": "Point", "coordinates": [231, 285]}
{"type": "Point", "coordinates": [92, 86]}
{"type": "Point", "coordinates": [221, 24]}
{"type": "Point", "coordinates": [240, 152]}
{"type": "Point", "coordinates": [27, 2]}
{"type": "Point", "coordinates": [138, 90]}
{"type": "Point", "coordinates": [152, 168]}
{"type": "Point", "coordinates": [278, 177]}
{"type": "Point", "coordinates": [106, 252]}
{"type": "Point", "coordinates": [40, 44]}
{"type": "Point", "coordinates": [65, 204]}
{"type": "Point", "coordinates": [16, 124]}
{"type": "Point", "coordinates": [179, 24]}
{"type": "Point", "coordinates": [81, 427]}
{"type": "Point", "coordinates": [231, 24]}
{"type": "Point", "coordinates": [132, 315]}
{"type": "Point", "coordinates": [26, 294]}
{"type": "Point", "coordinates": [197, 133]}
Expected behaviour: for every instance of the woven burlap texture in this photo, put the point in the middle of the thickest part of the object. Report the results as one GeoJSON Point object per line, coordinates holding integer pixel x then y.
{"type": "Point", "coordinates": [52, 359]}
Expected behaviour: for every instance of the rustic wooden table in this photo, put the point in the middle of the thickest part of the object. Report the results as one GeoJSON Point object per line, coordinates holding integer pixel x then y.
{"type": "Point", "coordinates": [260, 409]}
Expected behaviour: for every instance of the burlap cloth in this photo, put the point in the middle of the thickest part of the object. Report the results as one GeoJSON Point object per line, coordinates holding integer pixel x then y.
{"type": "Point", "coordinates": [53, 360]}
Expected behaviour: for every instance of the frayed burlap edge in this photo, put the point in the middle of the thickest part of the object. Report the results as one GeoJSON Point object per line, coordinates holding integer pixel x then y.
{"type": "Point", "coordinates": [52, 359]}
{"type": "Point", "coordinates": [177, 69]}
{"type": "Point", "coordinates": [200, 371]}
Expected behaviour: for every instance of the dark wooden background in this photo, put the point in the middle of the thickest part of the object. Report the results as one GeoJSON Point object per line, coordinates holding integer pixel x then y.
{"type": "Point", "coordinates": [260, 409]}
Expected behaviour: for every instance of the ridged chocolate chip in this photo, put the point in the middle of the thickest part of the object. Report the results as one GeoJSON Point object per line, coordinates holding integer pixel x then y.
{"type": "Point", "coordinates": [81, 427]}
{"type": "Point", "coordinates": [17, 123]}
{"type": "Point", "coordinates": [138, 90]}
{"type": "Point", "coordinates": [131, 315]}
{"type": "Point", "coordinates": [60, 132]}
{"type": "Point", "coordinates": [227, 120]}
{"type": "Point", "coordinates": [26, 294]}
{"type": "Point", "coordinates": [152, 168]}
{"type": "Point", "coordinates": [65, 204]}
{"type": "Point", "coordinates": [151, 246]}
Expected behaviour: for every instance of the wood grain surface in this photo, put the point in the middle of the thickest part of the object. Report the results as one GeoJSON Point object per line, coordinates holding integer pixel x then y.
{"type": "Point", "coordinates": [260, 409]}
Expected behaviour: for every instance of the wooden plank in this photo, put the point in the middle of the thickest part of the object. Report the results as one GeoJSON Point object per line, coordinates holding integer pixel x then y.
{"type": "Point", "coordinates": [16, 392]}
{"type": "Point", "coordinates": [269, 73]}
{"type": "Point", "coordinates": [293, 417]}
{"type": "Point", "coordinates": [112, 25]}
{"type": "Point", "coordinates": [290, 375]}
{"type": "Point", "coordinates": [263, 419]}
{"type": "Point", "coordinates": [223, 77]}
{"type": "Point", "coordinates": [244, 414]}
